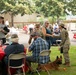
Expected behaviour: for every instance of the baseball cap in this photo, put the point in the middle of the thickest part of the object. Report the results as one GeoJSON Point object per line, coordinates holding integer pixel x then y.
{"type": "Point", "coordinates": [14, 37]}
{"type": "Point", "coordinates": [62, 25]}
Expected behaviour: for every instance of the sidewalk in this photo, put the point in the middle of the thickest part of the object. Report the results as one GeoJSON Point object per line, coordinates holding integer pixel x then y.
{"type": "Point", "coordinates": [23, 38]}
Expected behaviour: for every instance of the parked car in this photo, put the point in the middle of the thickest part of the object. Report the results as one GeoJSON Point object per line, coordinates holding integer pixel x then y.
{"type": "Point", "coordinates": [74, 36]}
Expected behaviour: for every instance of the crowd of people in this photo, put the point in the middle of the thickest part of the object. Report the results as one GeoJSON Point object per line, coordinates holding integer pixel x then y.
{"type": "Point", "coordinates": [52, 29]}
{"type": "Point", "coordinates": [42, 37]}
{"type": "Point", "coordinates": [62, 34]}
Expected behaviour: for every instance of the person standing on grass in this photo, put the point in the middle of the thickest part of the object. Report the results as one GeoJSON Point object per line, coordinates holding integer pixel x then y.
{"type": "Point", "coordinates": [65, 43]}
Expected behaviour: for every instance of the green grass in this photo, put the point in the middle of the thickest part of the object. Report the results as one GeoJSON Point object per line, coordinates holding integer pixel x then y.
{"type": "Point", "coordinates": [69, 70]}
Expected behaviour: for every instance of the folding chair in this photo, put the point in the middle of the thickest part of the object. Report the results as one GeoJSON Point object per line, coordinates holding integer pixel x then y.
{"type": "Point", "coordinates": [15, 57]}
{"type": "Point", "coordinates": [45, 53]}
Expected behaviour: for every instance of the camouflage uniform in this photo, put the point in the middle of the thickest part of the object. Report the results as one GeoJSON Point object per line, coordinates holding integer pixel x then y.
{"type": "Point", "coordinates": [65, 43]}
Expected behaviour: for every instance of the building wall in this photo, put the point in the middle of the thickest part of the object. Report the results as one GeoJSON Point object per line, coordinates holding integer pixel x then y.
{"type": "Point", "coordinates": [19, 18]}
{"type": "Point", "coordinates": [25, 18]}
{"type": "Point", "coordinates": [72, 24]}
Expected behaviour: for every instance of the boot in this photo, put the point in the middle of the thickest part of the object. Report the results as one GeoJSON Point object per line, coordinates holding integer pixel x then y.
{"type": "Point", "coordinates": [68, 64]}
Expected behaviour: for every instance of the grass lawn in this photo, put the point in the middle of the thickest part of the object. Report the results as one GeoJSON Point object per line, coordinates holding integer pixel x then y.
{"type": "Point", "coordinates": [69, 70]}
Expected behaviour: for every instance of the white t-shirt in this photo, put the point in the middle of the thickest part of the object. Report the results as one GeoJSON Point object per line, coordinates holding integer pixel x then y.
{"type": "Point", "coordinates": [7, 23]}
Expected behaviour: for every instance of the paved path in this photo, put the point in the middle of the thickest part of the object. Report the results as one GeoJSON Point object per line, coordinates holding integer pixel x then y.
{"type": "Point", "coordinates": [23, 38]}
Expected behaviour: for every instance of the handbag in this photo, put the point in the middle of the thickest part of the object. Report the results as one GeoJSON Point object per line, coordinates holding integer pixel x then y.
{"type": "Point", "coordinates": [61, 50]}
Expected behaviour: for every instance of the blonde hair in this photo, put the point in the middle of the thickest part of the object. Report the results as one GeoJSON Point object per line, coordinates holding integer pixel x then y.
{"type": "Point", "coordinates": [45, 22]}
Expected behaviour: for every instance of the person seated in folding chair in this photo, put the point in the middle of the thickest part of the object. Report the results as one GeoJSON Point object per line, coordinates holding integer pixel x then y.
{"type": "Point", "coordinates": [36, 47]}
{"type": "Point", "coordinates": [13, 48]}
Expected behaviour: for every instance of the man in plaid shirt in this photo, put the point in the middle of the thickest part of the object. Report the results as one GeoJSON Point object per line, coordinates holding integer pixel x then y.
{"type": "Point", "coordinates": [36, 47]}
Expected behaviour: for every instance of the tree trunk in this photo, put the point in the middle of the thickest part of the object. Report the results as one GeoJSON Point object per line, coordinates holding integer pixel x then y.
{"type": "Point", "coordinates": [12, 21]}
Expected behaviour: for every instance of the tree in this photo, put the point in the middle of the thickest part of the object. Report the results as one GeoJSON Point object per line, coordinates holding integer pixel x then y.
{"type": "Point", "coordinates": [71, 6]}
{"type": "Point", "coordinates": [15, 7]}
{"type": "Point", "coordinates": [49, 7]}
{"type": "Point", "coordinates": [55, 7]}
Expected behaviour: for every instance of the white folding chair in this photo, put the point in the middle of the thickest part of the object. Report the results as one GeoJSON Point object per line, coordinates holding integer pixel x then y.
{"type": "Point", "coordinates": [45, 53]}
{"type": "Point", "coordinates": [42, 53]}
{"type": "Point", "coordinates": [15, 57]}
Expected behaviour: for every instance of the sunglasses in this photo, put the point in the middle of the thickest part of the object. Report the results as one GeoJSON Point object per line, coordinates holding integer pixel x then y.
{"type": "Point", "coordinates": [47, 23]}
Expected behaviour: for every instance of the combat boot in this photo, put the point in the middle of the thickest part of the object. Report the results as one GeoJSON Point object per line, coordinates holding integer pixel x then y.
{"type": "Point", "coordinates": [68, 64]}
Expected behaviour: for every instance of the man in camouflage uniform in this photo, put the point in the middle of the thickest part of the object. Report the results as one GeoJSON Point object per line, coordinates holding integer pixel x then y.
{"type": "Point", "coordinates": [65, 43]}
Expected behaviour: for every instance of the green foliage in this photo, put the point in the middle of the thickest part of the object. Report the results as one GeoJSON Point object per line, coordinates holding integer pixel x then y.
{"type": "Point", "coordinates": [52, 19]}
{"type": "Point", "coordinates": [44, 7]}
{"type": "Point", "coordinates": [17, 6]}
{"type": "Point", "coordinates": [40, 19]}
{"type": "Point", "coordinates": [49, 7]}
{"type": "Point", "coordinates": [55, 7]}
{"type": "Point", "coordinates": [14, 7]}
{"type": "Point", "coordinates": [71, 6]}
